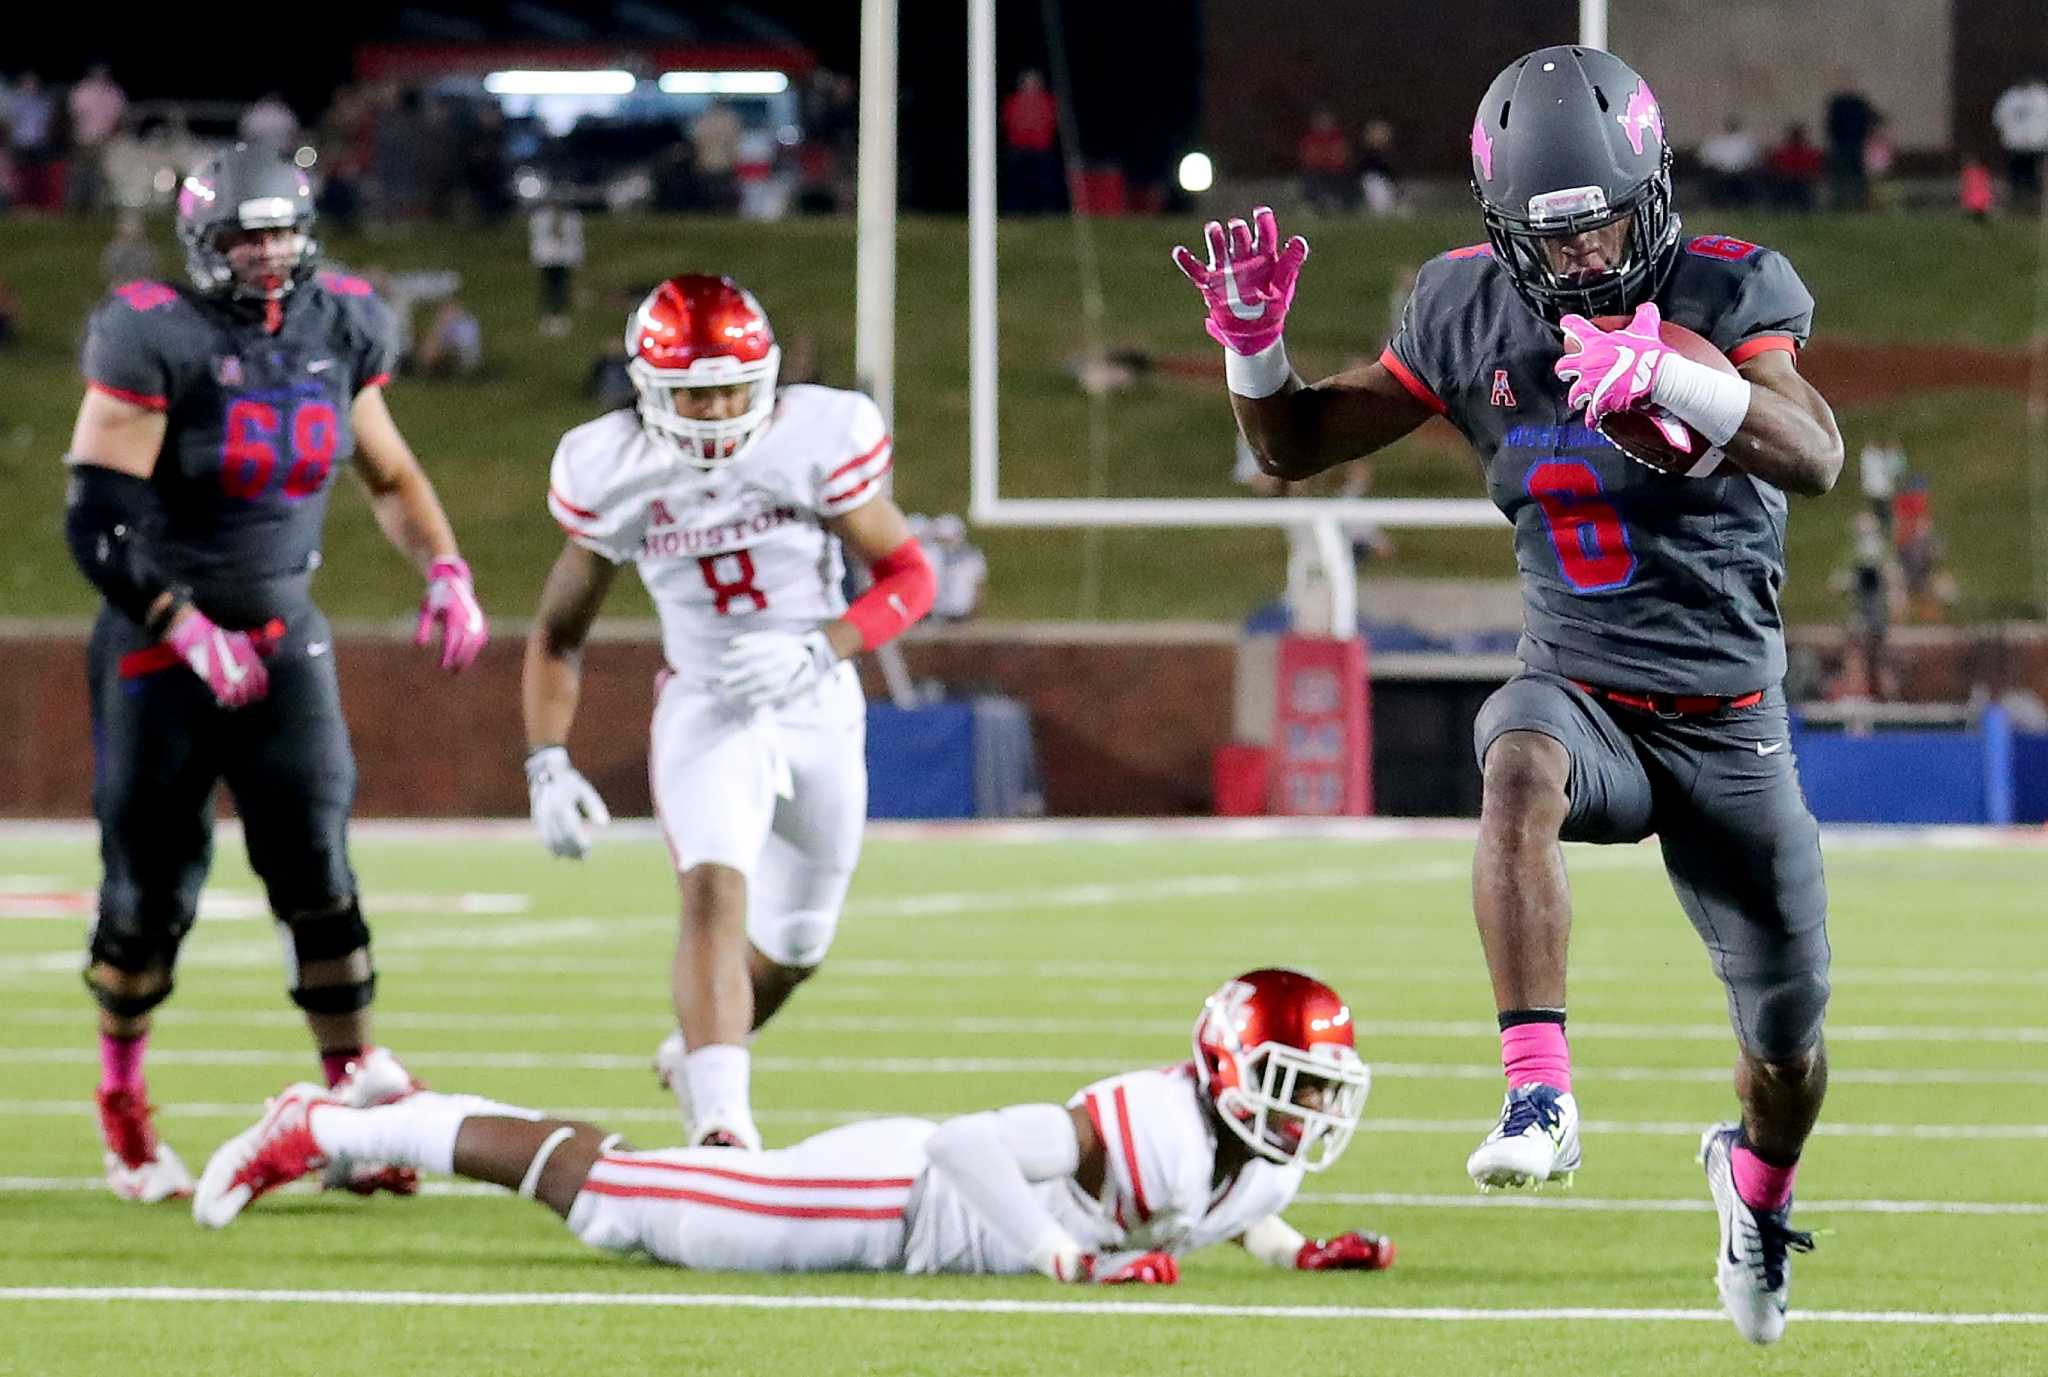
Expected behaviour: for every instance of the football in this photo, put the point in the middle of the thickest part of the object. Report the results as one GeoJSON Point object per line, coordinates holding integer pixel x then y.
{"type": "Point", "coordinates": [1654, 436]}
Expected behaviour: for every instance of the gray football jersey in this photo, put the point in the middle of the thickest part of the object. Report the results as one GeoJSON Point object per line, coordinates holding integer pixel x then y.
{"type": "Point", "coordinates": [255, 425]}
{"type": "Point", "coordinates": [1631, 579]}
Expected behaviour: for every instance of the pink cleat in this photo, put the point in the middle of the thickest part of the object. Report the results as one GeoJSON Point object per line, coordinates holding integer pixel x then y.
{"type": "Point", "coordinates": [277, 1151]}
{"type": "Point", "coordinates": [139, 1167]}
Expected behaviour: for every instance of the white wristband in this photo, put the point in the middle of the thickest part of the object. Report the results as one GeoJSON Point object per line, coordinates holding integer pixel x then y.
{"type": "Point", "coordinates": [1257, 375]}
{"type": "Point", "coordinates": [1273, 1241]}
{"type": "Point", "coordinates": [1708, 400]}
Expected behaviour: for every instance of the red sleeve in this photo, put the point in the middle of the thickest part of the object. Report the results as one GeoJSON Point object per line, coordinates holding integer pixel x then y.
{"type": "Point", "coordinates": [1417, 388]}
{"type": "Point", "coordinates": [902, 593]}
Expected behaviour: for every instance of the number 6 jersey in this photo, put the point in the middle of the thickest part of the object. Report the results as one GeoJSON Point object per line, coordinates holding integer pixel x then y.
{"type": "Point", "coordinates": [1631, 579]}
{"type": "Point", "coordinates": [742, 547]}
{"type": "Point", "coordinates": [255, 423]}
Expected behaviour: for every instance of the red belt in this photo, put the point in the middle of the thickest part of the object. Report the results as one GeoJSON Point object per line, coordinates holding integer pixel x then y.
{"type": "Point", "coordinates": [163, 655]}
{"type": "Point", "coordinates": [1673, 704]}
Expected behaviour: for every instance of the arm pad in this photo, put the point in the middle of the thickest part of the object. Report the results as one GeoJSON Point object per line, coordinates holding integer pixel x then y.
{"type": "Point", "coordinates": [993, 1157]}
{"type": "Point", "coordinates": [104, 511]}
{"type": "Point", "coordinates": [903, 591]}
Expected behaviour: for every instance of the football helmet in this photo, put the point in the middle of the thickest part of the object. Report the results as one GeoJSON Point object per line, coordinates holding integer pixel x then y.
{"type": "Point", "coordinates": [247, 188]}
{"type": "Point", "coordinates": [1274, 1055]}
{"type": "Point", "coordinates": [702, 331]}
{"type": "Point", "coordinates": [1569, 140]}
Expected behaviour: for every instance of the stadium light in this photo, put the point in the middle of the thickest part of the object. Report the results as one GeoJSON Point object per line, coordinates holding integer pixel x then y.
{"type": "Point", "coordinates": [724, 83]}
{"type": "Point", "coordinates": [521, 83]}
{"type": "Point", "coordinates": [1197, 173]}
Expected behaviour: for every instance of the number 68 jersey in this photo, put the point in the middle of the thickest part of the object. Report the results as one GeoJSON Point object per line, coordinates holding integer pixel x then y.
{"type": "Point", "coordinates": [737, 548]}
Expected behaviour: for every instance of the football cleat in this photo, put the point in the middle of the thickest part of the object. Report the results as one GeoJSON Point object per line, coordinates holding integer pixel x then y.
{"type": "Point", "coordinates": [1753, 1267]}
{"type": "Point", "coordinates": [1536, 1140]}
{"type": "Point", "coordinates": [139, 1167]}
{"type": "Point", "coordinates": [276, 1151]}
{"type": "Point", "coordinates": [376, 1079]}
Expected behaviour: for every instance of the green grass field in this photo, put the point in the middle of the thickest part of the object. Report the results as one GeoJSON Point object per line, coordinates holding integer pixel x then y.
{"type": "Point", "coordinates": [973, 970]}
{"type": "Point", "coordinates": [1898, 279]}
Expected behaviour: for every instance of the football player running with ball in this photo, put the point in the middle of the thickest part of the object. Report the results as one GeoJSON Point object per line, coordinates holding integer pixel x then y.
{"type": "Point", "coordinates": [1652, 646]}
{"type": "Point", "coordinates": [1111, 1187]}
{"type": "Point", "coordinates": [733, 501]}
{"type": "Point", "coordinates": [213, 421]}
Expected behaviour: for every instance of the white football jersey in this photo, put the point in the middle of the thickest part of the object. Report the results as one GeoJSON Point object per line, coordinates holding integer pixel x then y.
{"type": "Point", "coordinates": [739, 548]}
{"type": "Point", "coordinates": [1158, 1194]}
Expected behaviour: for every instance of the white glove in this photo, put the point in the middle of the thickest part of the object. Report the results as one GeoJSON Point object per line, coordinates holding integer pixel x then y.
{"type": "Point", "coordinates": [565, 808]}
{"type": "Point", "coordinates": [763, 668]}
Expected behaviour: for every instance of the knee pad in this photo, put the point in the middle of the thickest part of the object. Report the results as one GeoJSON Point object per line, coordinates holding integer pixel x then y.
{"type": "Point", "coordinates": [128, 1005]}
{"type": "Point", "coordinates": [129, 943]}
{"type": "Point", "coordinates": [798, 937]}
{"type": "Point", "coordinates": [328, 937]}
{"type": "Point", "coordinates": [1785, 1015]}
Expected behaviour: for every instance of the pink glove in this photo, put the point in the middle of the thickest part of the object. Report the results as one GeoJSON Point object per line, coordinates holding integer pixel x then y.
{"type": "Point", "coordinates": [1611, 370]}
{"type": "Point", "coordinates": [451, 601]}
{"type": "Point", "coordinates": [1352, 1252]}
{"type": "Point", "coordinates": [1247, 285]}
{"type": "Point", "coordinates": [227, 660]}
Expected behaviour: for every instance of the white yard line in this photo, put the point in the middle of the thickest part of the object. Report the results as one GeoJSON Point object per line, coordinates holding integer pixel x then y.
{"type": "Point", "coordinates": [953, 1066]}
{"type": "Point", "coordinates": [989, 1306]}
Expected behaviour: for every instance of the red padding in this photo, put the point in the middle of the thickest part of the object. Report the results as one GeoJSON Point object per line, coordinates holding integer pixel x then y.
{"type": "Point", "coordinates": [903, 591]}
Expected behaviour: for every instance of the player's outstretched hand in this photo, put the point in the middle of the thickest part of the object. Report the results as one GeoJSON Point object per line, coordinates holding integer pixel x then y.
{"type": "Point", "coordinates": [451, 602]}
{"type": "Point", "coordinates": [229, 661]}
{"type": "Point", "coordinates": [566, 809]}
{"type": "Point", "coordinates": [1134, 1269]}
{"type": "Point", "coordinates": [1248, 282]}
{"type": "Point", "coordinates": [763, 668]}
{"type": "Point", "coordinates": [1611, 370]}
{"type": "Point", "coordinates": [1352, 1252]}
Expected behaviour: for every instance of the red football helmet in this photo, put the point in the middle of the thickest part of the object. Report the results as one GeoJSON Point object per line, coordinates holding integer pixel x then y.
{"type": "Point", "coordinates": [702, 331]}
{"type": "Point", "coordinates": [1274, 1054]}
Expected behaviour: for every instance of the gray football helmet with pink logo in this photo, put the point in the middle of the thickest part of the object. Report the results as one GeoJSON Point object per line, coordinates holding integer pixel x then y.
{"type": "Point", "coordinates": [1570, 139]}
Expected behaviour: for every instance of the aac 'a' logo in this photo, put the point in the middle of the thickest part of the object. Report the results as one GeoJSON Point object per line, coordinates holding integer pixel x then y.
{"type": "Point", "coordinates": [1503, 395]}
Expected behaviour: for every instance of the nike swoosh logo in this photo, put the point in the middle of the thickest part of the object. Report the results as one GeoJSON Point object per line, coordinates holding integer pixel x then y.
{"type": "Point", "coordinates": [229, 670]}
{"type": "Point", "coordinates": [1235, 302]}
{"type": "Point", "coordinates": [319, 365]}
{"type": "Point", "coordinates": [315, 648]}
{"type": "Point", "coordinates": [1769, 747]}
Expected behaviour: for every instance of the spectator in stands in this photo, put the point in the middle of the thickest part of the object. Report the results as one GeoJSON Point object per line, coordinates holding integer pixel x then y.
{"type": "Point", "coordinates": [1031, 154]}
{"type": "Point", "coordinates": [2021, 117]}
{"type": "Point", "coordinates": [31, 118]}
{"type": "Point", "coordinates": [715, 135]}
{"type": "Point", "coordinates": [1871, 581]}
{"type": "Point", "coordinates": [271, 122]}
{"type": "Point", "coordinates": [1378, 181]}
{"type": "Point", "coordinates": [1880, 157]}
{"type": "Point", "coordinates": [483, 164]}
{"type": "Point", "coordinates": [1323, 158]}
{"type": "Point", "coordinates": [959, 568]}
{"type": "Point", "coordinates": [1731, 159]}
{"type": "Point", "coordinates": [453, 345]}
{"type": "Point", "coordinates": [555, 243]}
{"type": "Point", "coordinates": [1795, 167]}
{"type": "Point", "coordinates": [1850, 118]}
{"type": "Point", "coordinates": [97, 104]}
{"type": "Point", "coordinates": [764, 188]}
{"type": "Point", "coordinates": [129, 256]}
{"type": "Point", "coordinates": [1931, 591]}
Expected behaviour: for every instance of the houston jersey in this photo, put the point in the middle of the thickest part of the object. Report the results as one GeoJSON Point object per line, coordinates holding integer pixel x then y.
{"type": "Point", "coordinates": [740, 548]}
{"type": "Point", "coordinates": [254, 425]}
{"type": "Point", "coordinates": [1630, 579]}
{"type": "Point", "coordinates": [1159, 1191]}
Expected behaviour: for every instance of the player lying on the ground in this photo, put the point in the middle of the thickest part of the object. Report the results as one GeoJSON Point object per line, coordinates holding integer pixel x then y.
{"type": "Point", "coordinates": [1111, 1187]}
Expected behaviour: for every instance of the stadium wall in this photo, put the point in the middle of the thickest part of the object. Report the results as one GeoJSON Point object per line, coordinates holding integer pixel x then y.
{"type": "Point", "coordinates": [1126, 718]}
